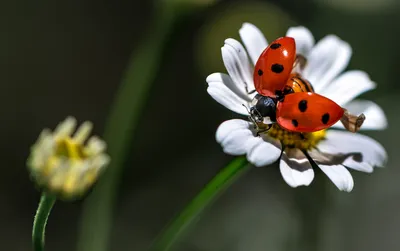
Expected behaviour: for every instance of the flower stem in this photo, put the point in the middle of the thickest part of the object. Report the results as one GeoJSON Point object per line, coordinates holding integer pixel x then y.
{"type": "Point", "coordinates": [39, 224]}
{"type": "Point", "coordinates": [210, 192]}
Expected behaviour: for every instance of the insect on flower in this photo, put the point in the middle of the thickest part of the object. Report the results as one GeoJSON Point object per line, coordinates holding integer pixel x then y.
{"type": "Point", "coordinates": [321, 64]}
{"type": "Point", "coordinates": [288, 99]}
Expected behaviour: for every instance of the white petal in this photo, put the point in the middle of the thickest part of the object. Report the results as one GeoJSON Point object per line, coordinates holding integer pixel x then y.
{"type": "Point", "coordinates": [227, 80]}
{"type": "Point", "coordinates": [326, 60]}
{"type": "Point", "coordinates": [362, 152]}
{"type": "Point", "coordinates": [254, 41]}
{"type": "Point", "coordinates": [304, 39]}
{"type": "Point", "coordinates": [339, 175]}
{"type": "Point", "coordinates": [83, 132]}
{"type": "Point", "coordinates": [263, 151]}
{"type": "Point", "coordinates": [375, 117]}
{"type": "Point", "coordinates": [295, 168]}
{"type": "Point", "coordinates": [237, 64]}
{"type": "Point", "coordinates": [228, 126]}
{"type": "Point", "coordinates": [66, 127]}
{"type": "Point", "coordinates": [237, 138]}
{"type": "Point", "coordinates": [95, 145]}
{"type": "Point", "coordinates": [222, 92]}
{"type": "Point", "coordinates": [348, 86]}
{"type": "Point", "coordinates": [233, 135]}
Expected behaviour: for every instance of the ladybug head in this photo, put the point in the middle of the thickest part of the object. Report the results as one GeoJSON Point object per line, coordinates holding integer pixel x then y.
{"type": "Point", "coordinates": [263, 109]}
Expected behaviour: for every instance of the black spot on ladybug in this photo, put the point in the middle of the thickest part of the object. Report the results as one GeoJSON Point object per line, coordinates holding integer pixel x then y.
{"type": "Point", "coordinates": [275, 46]}
{"type": "Point", "coordinates": [277, 68]}
{"type": "Point", "coordinates": [295, 123]}
{"type": "Point", "coordinates": [325, 118]}
{"type": "Point", "coordinates": [260, 72]}
{"type": "Point", "coordinates": [303, 105]}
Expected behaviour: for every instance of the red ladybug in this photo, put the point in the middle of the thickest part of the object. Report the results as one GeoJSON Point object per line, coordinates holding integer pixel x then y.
{"type": "Point", "coordinates": [286, 98]}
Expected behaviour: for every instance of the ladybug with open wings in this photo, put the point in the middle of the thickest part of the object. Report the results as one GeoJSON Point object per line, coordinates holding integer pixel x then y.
{"type": "Point", "coordinates": [288, 99]}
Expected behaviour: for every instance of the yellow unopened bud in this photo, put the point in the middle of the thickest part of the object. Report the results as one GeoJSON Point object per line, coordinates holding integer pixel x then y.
{"type": "Point", "coordinates": [65, 163]}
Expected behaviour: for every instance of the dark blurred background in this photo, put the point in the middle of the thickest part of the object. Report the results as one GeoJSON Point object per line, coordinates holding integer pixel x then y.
{"type": "Point", "coordinates": [62, 58]}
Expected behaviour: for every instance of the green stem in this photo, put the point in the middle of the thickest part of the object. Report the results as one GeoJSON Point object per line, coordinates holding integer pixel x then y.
{"type": "Point", "coordinates": [210, 192]}
{"type": "Point", "coordinates": [39, 224]}
{"type": "Point", "coordinates": [96, 219]}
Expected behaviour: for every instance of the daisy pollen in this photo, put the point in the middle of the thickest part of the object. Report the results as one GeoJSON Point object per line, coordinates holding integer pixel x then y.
{"type": "Point", "coordinates": [322, 65]}
{"type": "Point", "coordinates": [302, 141]}
{"type": "Point", "coordinates": [63, 163]}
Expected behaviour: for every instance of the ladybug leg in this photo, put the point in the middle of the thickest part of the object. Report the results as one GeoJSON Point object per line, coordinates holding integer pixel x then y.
{"type": "Point", "coordinates": [262, 130]}
{"type": "Point", "coordinates": [249, 92]}
{"type": "Point", "coordinates": [259, 126]}
{"type": "Point", "coordinates": [253, 121]}
{"type": "Point", "coordinates": [351, 122]}
{"type": "Point", "coordinates": [280, 96]}
{"type": "Point", "coordinates": [299, 63]}
{"type": "Point", "coordinates": [256, 118]}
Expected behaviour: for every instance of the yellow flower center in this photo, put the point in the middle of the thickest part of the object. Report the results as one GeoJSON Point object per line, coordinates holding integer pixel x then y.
{"type": "Point", "coordinates": [68, 147]}
{"type": "Point", "coordinates": [303, 141]}
{"type": "Point", "coordinates": [67, 181]}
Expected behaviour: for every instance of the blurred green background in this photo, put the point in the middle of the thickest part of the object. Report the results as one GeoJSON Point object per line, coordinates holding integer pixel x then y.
{"type": "Point", "coordinates": [68, 57]}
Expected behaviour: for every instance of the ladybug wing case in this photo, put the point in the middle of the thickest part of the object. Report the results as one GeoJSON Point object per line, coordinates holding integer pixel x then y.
{"type": "Point", "coordinates": [307, 112]}
{"type": "Point", "coordinates": [274, 66]}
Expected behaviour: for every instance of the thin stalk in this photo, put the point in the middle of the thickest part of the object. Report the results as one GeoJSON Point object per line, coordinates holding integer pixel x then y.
{"type": "Point", "coordinates": [210, 192]}
{"type": "Point", "coordinates": [39, 224]}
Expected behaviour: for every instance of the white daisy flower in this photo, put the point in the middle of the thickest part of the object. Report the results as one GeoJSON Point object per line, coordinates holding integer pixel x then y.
{"type": "Point", "coordinates": [65, 164]}
{"type": "Point", "coordinates": [332, 150]}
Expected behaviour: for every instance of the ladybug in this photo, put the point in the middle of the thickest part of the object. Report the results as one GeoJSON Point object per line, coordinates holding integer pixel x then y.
{"type": "Point", "coordinates": [286, 98]}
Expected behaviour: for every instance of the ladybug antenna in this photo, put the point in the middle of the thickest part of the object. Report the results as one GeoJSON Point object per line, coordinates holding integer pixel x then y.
{"type": "Point", "coordinates": [247, 109]}
{"type": "Point", "coordinates": [251, 117]}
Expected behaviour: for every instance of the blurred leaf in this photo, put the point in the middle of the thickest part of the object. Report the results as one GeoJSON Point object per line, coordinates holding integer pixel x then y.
{"type": "Point", "coordinates": [142, 70]}
{"type": "Point", "coordinates": [97, 214]}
